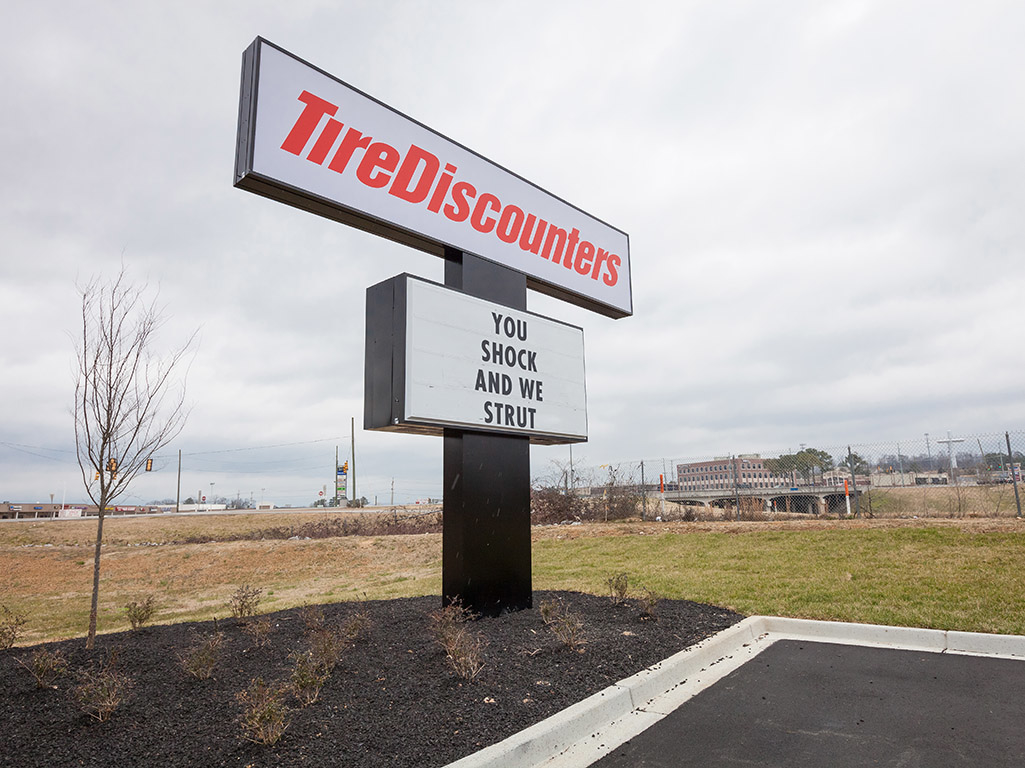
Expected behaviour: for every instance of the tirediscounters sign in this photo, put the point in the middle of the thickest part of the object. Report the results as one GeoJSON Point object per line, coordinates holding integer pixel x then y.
{"type": "Point", "coordinates": [307, 139]}
{"type": "Point", "coordinates": [437, 357]}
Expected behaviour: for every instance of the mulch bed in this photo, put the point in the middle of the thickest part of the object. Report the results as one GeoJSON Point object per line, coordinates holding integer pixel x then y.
{"type": "Point", "coordinates": [391, 701]}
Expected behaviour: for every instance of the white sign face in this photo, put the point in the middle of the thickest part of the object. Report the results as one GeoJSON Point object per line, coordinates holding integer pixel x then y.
{"type": "Point", "coordinates": [472, 363]}
{"type": "Point", "coordinates": [310, 140]}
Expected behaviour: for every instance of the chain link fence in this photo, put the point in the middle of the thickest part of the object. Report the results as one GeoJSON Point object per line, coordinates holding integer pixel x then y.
{"type": "Point", "coordinates": [942, 475]}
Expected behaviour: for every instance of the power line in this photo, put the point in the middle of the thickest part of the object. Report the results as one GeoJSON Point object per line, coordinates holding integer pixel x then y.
{"type": "Point", "coordinates": [263, 447]}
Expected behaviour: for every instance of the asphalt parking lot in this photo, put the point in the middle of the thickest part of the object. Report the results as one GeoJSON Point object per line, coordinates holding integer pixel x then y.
{"type": "Point", "coordinates": [815, 704]}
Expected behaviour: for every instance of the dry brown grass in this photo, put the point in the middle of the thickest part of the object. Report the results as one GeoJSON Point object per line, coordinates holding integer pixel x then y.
{"type": "Point", "coordinates": [980, 501]}
{"type": "Point", "coordinates": [51, 585]}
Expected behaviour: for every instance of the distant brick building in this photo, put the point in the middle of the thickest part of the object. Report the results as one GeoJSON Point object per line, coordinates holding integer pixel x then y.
{"type": "Point", "coordinates": [718, 474]}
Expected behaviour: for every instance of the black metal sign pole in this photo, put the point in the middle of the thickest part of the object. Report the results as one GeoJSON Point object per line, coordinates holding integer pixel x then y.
{"type": "Point", "coordinates": [486, 501]}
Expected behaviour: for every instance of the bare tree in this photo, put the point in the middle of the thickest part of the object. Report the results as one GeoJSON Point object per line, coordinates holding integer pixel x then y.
{"type": "Point", "coordinates": [128, 403]}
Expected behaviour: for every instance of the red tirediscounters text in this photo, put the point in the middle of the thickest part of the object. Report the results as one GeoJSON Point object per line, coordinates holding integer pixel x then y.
{"type": "Point", "coordinates": [418, 177]}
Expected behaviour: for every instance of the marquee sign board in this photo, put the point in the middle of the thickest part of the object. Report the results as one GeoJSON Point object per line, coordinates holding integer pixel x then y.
{"type": "Point", "coordinates": [437, 358]}
{"type": "Point", "coordinates": [310, 140]}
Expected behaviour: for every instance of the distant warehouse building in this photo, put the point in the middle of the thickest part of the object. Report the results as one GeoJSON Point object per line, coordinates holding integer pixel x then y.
{"type": "Point", "coordinates": [23, 511]}
{"type": "Point", "coordinates": [718, 474]}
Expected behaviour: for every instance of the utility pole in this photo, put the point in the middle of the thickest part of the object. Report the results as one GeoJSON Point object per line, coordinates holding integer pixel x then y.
{"type": "Point", "coordinates": [178, 498]}
{"type": "Point", "coordinates": [355, 496]}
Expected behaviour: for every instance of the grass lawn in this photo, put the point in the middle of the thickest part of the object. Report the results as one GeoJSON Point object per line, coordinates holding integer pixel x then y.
{"type": "Point", "coordinates": [942, 578]}
{"type": "Point", "coordinates": [965, 576]}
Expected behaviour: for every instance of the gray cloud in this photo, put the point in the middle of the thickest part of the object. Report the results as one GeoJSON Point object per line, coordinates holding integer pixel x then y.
{"type": "Point", "coordinates": [822, 198]}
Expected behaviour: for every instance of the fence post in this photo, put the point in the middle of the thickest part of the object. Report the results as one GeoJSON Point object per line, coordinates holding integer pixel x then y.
{"type": "Point", "coordinates": [1014, 477]}
{"type": "Point", "coordinates": [736, 493]}
{"type": "Point", "coordinates": [644, 496]}
{"type": "Point", "coordinates": [854, 482]}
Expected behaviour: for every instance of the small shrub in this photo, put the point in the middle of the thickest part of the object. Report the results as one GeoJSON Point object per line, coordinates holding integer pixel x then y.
{"type": "Point", "coordinates": [647, 601]}
{"type": "Point", "coordinates": [547, 611]}
{"type": "Point", "coordinates": [199, 660]}
{"type": "Point", "coordinates": [46, 666]}
{"type": "Point", "coordinates": [11, 624]}
{"type": "Point", "coordinates": [244, 601]}
{"type": "Point", "coordinates": [619, 585]}
{"type": "Point", "coordinates": [101, 690]}
{"type": "Point", "coordinates": [356, 626]}
{"type": "Point", "coordinates": [567, 627]}
{"type": "Point", "coordinates": [312, 617]}
{"type": "Point", "coordinates": [264, 712]}
{"type": "Point", "coordinates": [308, 676]}
{"type": "Point", "coordinates": [464, 650]}
{"type": "Point", "coordinates": [326, 646]}
{"type": "Point", "coordinates": [259, 630]}
{"type": "Point", "coordinates": [551, 506]}
{"type": "Point", "coordinates": [140, 612]}
{"type": "Point", "coordinates": [448, 619]}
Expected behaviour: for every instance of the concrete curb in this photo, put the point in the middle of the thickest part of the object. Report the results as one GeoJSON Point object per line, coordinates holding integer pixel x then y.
{"type": "Point", "coordinates": [581, 734]}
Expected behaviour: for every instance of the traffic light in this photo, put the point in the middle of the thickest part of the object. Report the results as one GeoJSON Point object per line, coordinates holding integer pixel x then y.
{"type": "Point", "coordinates": [149, 465]}
{"type": "Point", "coordinates": [112, 465]}
{"type": "Point", "coordinates": [345, 467]}
{"type": "Point", "coordinates": [97, 476]}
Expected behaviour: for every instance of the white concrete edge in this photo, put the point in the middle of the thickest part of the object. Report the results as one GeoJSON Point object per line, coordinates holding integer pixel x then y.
{"type": "Point", "coordinates": [901, 638]}
{"type": "Point", "coordinates": [581, 734]}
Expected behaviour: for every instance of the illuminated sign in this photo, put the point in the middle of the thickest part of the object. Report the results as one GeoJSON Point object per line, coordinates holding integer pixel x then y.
{"type": "Point", "coordinates": [310, 140]}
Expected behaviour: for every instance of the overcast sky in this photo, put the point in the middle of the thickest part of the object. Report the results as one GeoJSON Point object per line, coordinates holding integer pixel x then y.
{"type": "Point", "coordinates": [824, 202]}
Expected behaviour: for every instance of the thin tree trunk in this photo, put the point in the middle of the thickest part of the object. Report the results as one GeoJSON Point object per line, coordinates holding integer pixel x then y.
{"type": "Point", "coordinates": [90, 640]}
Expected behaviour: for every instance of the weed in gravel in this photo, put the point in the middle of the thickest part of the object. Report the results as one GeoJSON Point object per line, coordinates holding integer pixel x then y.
{"type": "Point", "coordinates": [11, 624]}
{"type": "Point", "coordinates": [101, 690]}
{"type": "Point", "coordinates": [244, 601]}
{"type": "Point", "coordinates": [139, 612]}
{"type": "Point", "coordinates": [46, 666]}
{"type": "Point", "coordinates": [619, 585]}
{"type": "Point", "coordinates": [259, 629]}
{"type": "Point", "coordinates": [647, 601]}
{"type": "Point", "coordinates": [567, 627]}
{"type": "Point", "coordinates": [308, 676]}
{"type": "Point", "coordinates": [265, 715]}
{"type": "Point", "coordinates": [464, 650]}
{"type": "Point", "coordinates": [200, 659]}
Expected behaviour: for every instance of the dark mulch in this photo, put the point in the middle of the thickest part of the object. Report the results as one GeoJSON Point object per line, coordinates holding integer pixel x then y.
{"type": "Point", "coordinates": [391, 701]}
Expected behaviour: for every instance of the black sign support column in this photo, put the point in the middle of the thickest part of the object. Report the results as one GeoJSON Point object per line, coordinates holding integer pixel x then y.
{"type": "Point", "coordinates": [486, 502]}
